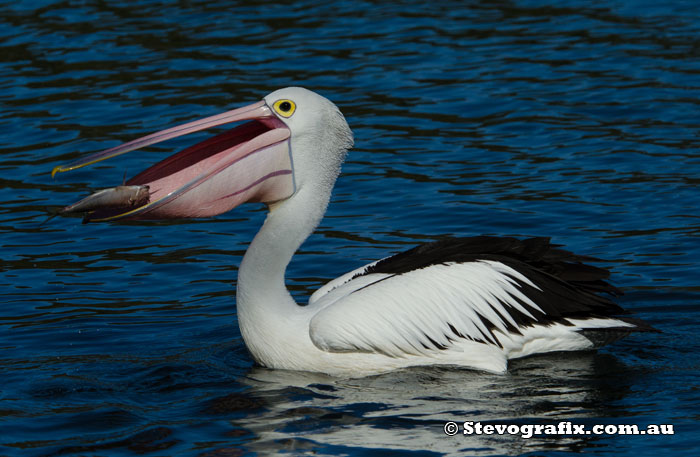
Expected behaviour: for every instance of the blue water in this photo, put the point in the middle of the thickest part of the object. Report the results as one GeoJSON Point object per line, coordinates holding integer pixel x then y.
{"type": "Point", "coordinates": [576, 120]}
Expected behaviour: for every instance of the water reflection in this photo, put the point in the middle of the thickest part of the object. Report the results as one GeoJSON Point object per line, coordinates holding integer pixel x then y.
{"type": "Point", "coordinates": [407, 409]}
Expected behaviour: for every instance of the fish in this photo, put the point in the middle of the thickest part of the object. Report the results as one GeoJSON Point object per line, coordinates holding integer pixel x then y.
{"type": "Point", "coordinates": [119, 197]}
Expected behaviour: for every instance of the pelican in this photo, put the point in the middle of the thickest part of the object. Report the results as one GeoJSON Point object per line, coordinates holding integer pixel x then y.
{"type": "Point", "coordinates": [472, 302]}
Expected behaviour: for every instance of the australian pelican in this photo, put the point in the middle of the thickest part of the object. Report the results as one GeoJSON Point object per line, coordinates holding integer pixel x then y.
{"type": "Point", "coordinates": [473, 302]}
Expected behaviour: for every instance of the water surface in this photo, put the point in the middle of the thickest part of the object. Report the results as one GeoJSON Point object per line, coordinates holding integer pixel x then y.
{"type": "Point", "coordinates": [520, 118]}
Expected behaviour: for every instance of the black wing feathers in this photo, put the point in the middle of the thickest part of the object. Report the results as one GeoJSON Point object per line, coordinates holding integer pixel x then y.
{"type": "Point", "coordinates": [566, 286]}
{"type": "Point", "coordinates": [535, 252]}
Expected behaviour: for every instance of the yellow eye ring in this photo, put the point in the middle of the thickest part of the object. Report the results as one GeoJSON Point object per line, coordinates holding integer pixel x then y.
{"type": "Point", "coordinates": [284, 107]}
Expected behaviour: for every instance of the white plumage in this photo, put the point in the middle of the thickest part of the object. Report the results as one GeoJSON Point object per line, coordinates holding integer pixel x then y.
{"type": "Point", "coordinates": [364, 322]}
{"type": "Point", "coordinates": [415, 315]}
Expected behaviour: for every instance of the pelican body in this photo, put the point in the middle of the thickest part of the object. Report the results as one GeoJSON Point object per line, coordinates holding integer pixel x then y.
{"type": "Point", "coordinates": [473, 302]}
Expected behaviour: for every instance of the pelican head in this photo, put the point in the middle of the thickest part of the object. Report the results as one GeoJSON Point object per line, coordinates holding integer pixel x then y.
{"type": "Point", "coordinates": [294, 137]}
{"type": "Point", "coordinates": [320, 136]}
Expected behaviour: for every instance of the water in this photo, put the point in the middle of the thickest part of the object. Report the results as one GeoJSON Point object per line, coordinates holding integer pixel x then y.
{"type": "Point", "coordinates": [522, 118]}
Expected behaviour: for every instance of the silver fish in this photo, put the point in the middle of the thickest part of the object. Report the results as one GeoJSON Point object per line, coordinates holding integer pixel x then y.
{"type": "Point", "coordinates": [112, 198]}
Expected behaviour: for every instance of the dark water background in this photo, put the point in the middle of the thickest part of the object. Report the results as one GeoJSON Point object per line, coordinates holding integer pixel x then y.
{"type": "Point", "coordinates": [577, 120]}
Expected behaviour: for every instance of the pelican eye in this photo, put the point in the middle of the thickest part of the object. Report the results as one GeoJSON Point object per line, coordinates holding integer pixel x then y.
{"type": "Point", "coordinates": [284, 107]}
